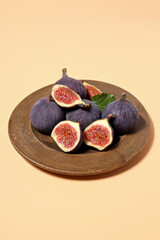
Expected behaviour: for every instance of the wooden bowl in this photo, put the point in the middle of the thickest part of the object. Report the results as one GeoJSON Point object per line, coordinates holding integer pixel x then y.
{"type": "Point", "coordinates": [41, 150]}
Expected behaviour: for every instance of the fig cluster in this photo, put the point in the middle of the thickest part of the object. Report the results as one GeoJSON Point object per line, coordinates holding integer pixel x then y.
{"type": "Point", "coordinates": [70, 116]}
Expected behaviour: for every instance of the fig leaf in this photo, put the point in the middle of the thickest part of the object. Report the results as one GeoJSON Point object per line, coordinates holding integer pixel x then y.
{"type": "Point", "coordinates": [102, 100]}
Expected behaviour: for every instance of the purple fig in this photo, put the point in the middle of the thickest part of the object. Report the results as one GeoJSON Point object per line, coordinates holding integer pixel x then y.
{"type": "Point", "coordinates": [68, 136]}
{"type": "Point", "coordinates": [99, 134]}
{"type": "Point", "coordinates": [84, 116]}
{"type": "Point", "coordinates": [73, 84]}
{"type": "Point", "coordinates": [126, 114]}
{"type": "Point", "coordinates": [45, 114]}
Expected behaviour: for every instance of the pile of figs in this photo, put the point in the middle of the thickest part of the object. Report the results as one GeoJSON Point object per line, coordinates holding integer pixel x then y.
{"type": "Point", "coordinates": [70, 116]}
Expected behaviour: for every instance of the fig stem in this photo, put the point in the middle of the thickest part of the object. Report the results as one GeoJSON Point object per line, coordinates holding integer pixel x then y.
{"type": "Point", "coordinates": [49, 97]}
{"type": "Point", "coordinates": [64, 72]}
{"type": "Point", "coordinates": [85, 105]}
{"type": "Point", "coordinates": [123, 97]}
{"type": "Point", "coordinates": [110, 116]}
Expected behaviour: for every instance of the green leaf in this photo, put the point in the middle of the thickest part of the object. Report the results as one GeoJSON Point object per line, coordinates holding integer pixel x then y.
{"type": "Point", "coordinates": [102, 100]}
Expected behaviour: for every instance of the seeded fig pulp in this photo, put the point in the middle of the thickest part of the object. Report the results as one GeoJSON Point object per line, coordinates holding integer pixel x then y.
{"type": "Point", "coordinates": [45, 114]}
{"type": "Point", "coordinates": [68, 136]}
{"type": "Point", "coordinates": [91, 90]}
{"type": "Point", "coordinates": [98, 134]}
{"type": "Point", "coordinates": [66, 97]}
{"type": "Point", "coordinates": [126, 114]}
{"type": "Point", "coordinates": [72, 83]}
{"type": "Point", "coordinates": [84, 116]}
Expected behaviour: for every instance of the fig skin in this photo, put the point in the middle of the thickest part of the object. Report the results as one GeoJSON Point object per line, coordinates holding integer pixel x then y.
{"type": "Point", "coordinates": [99, 134]}
{"type": "Point", "coordinates": [45, 114]}
{"type": "Point", "coordinates": [72, 83]}
{"type": "Point", "coordinates": [126, 114]}
{"type": "Point", "coordinates": [84, 116]}
{"type": "Point", "coordinates": [77, 128]}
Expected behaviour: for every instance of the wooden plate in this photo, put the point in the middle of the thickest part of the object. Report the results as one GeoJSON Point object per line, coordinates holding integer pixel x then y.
{"type": "Point", "coordinates": [42, 151]}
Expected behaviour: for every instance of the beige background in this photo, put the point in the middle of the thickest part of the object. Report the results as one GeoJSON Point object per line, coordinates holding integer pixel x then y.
{"type": "Point", "coordinates": [112, 41]}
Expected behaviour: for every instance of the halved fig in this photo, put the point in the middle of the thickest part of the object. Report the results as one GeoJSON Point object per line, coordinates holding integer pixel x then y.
{"type": "Point", "coordinates": [66, 97]}
{"type": "Point", "coordinates": [68, 135]}
{"type": "Point", "coordinates": [99, 134]}
{"type": "Point", "coordinates": [91, 90]}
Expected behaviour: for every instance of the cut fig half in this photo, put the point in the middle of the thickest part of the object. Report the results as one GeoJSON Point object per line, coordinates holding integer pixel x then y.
{"type": "Point", "coordinates": [66, 97]}
{"type": "Point", "coordinates": [99, 134]}
{"type": "Point", "coordinates": [68, 135]}
{"type": "Point", "coordinates": [91, 90]}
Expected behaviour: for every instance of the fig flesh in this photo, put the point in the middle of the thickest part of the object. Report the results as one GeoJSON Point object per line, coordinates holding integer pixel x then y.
{"type": "Point", "coordinates": [99, 134]}
{"type": "Point", "coordinates": [45, 114]}
{"type": "Point", "coordinates": [84, 116]}
{"type": "Point", "coordinates": [126, 114]}
{"type": "Point", "coordinates": [65, 97]}
{"type": "Point", "coordinates": [91, 90]}
{"type": "Point", "coordinates": [68, 136]}
{"type": "Point", "coordinates": [73, 84]}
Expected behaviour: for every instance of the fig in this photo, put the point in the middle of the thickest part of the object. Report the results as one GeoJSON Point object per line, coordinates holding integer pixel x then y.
{"type": "Point", "coordinates": [66, 97]}
{"type": "Point", "coordinates": [45, 114]}
{"type": "Point", "coordinates": [99, 134]}
{"type": "Point", "coordinates": [68, 136]}
{"type": "Point", "coordinates": [91, 90]}
{"type": "Point", "coordinates": [84, 116]}
{"type": "Point", "coordinates": [72, 83]}
{"type": "Point", "coordinates": [126, 114]}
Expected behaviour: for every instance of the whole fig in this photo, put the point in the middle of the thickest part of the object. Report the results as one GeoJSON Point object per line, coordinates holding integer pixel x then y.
{"type": "Point", "coordinates": [45, 114]}
{"type": "Point", "coordinates": [84, 116]}
{"type": "Point", "coordinates": [73, 84]}
{"type": "Point", "coordinates": [126, 114]}
{"type": "Point", "coordinates": [68, 136]}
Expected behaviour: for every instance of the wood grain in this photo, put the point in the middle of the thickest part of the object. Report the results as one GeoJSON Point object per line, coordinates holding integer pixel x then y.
{"type": "Point", "coordinates": [40, 149]}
